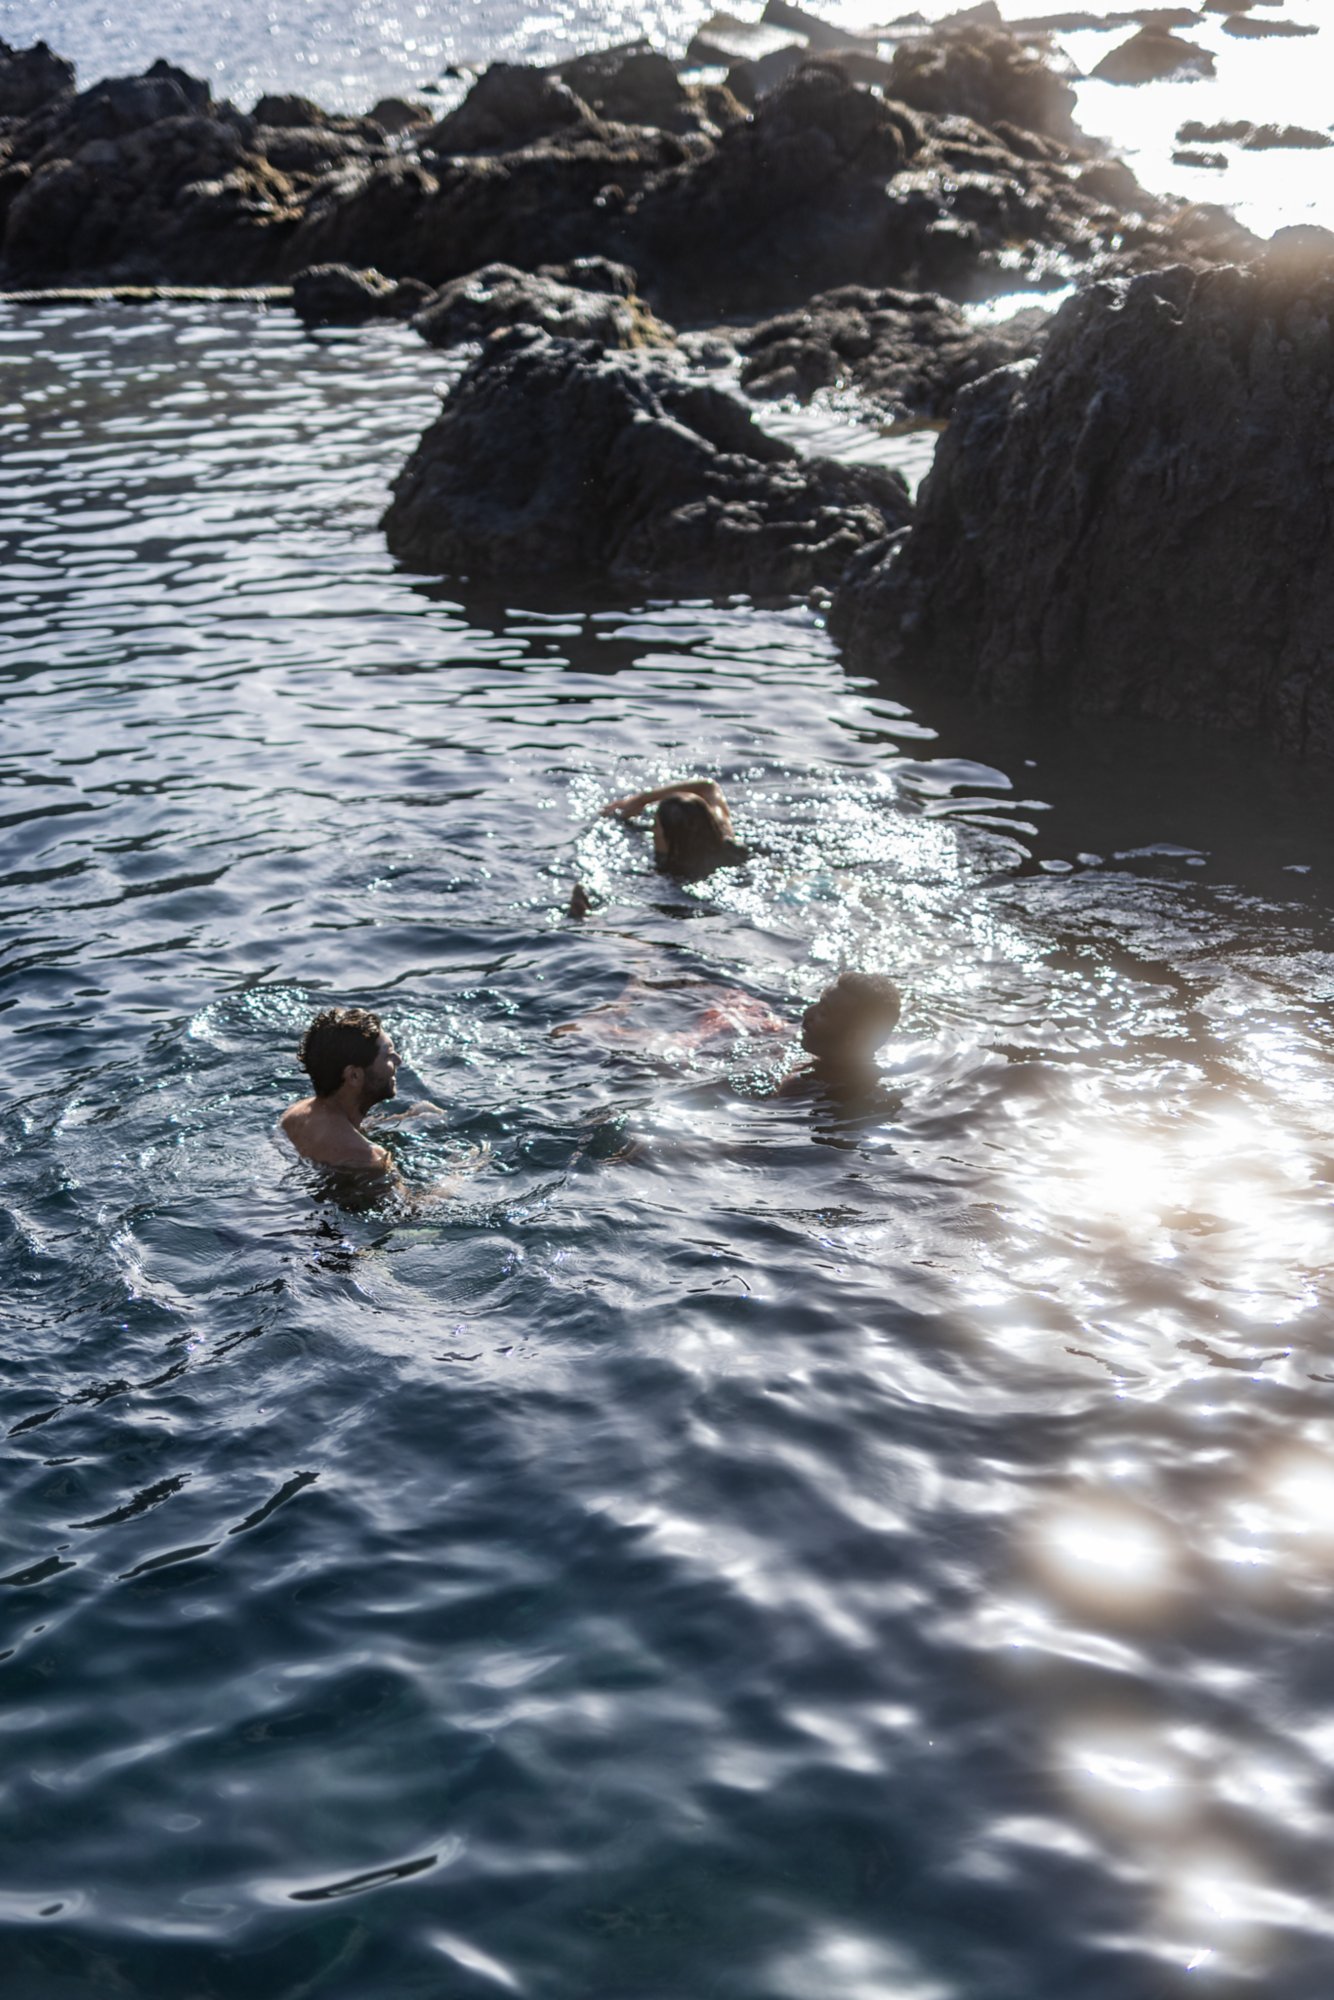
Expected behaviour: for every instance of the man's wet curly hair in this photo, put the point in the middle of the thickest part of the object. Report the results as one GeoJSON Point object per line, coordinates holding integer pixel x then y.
{"type": "Point", "coordinates": [335, 1038]}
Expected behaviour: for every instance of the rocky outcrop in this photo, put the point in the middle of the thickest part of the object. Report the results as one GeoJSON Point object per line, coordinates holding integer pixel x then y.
{"type": "Point", "coordinates": [1151, 55]}
{"type": "Point", "coordinates": [829, 184]}
{"type": "Point", "coordinates": [30, 78]}
{"type": "Point", "coordinates": [985, 74]}
{"type": "Point", "coordinates": [590, 299]}
{"type": "Point", "coordinates": [141, 177]}
{"type": "Point", "coordinates": [332, 295]}
{"type": "Point", "coordinates": [985, 186]}
{"type": "Point", "coordinates": [908, 354]}
{"type": "Point", "coordinates": [638, 85]}
{"type": "Point", "coordinates": [510, 106]}
{"type": "Point", "coordinates": [1139, 522]}
{"type": "Point", "coordinates": [437, 218]}
{"type": "Point", "coordinates": [560, 458]}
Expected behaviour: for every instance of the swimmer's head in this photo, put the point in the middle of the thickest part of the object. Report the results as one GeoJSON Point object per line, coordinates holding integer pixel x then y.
{"type": "Point", "coordinates": [851, 1018]}
{"type": "Point", "coordinates": [692, 837]}
{"type": "Point", "coordinates": [348, 1045]}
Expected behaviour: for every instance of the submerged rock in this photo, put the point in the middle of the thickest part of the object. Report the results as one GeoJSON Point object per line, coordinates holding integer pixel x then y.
{"type": "Point", "coordinates": [590, 299]}
{"type": "Point", "coordinates": [908, 353]}
{"type": "Point", "coordinates": [560, 458]}
{"type": "Point", "coordinates": [1138, 522]}
{"type": "Point", "coordinates": [1151, 55]}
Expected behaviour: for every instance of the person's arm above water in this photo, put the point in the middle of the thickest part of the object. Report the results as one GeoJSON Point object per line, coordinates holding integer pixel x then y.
{"type": "Point", "coordinates": [707, 789]}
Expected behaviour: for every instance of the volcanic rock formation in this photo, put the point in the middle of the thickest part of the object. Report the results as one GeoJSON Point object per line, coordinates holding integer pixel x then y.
{"type": "Point", "coordinates": [561, 458]}
{"type": "Point", "coordinates": [1139, 522]}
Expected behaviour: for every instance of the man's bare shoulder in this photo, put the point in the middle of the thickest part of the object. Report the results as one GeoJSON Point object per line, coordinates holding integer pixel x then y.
{"type": "Point", "coordinates": [328, 1140]}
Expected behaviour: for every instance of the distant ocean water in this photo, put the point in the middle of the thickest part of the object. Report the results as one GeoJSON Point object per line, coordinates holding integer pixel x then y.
{"type": "Point", "coordinates": [346, 53]}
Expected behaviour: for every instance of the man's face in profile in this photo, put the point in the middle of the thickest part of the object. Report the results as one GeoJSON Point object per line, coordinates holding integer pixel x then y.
{"type": "Point", "coordinates": [381, 1074]}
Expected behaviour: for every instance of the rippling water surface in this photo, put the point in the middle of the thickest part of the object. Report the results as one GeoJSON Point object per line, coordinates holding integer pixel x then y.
{"type": "Point", "coordinates": [741, 1545]}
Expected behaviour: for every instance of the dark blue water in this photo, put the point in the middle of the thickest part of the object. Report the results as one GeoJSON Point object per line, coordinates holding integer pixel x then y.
{"type": "Point", "coordinates": [737, 1545]}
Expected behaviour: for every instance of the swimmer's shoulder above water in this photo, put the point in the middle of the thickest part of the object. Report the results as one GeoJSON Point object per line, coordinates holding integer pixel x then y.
{"type": "Point", "coordinates": [692, 827]}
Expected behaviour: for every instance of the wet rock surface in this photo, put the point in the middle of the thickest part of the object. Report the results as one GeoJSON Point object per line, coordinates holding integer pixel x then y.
{"type": "Point", "coordinates": [590, 299]}
{"type": "Point", "coordinates": [1138, 523]}
{"type": "Point", "coordinates": [560, 458]}
{"type": "Point", "coordinates": [909, 355]}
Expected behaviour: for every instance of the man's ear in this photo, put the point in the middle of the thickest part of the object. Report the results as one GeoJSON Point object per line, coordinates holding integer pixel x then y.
{"type": "Point", "coordinates": [353, 1073]}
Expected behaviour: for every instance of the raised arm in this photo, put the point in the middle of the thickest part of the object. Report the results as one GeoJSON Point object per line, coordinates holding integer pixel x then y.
{"type": "Point", "coordinates": [707, 789]}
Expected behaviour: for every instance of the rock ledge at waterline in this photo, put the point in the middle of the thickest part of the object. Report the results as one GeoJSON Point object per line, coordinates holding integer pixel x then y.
{"type": "Point", "coordinates": [1139, 522]}
{"type": "Point", "coordinates": [561, 458]}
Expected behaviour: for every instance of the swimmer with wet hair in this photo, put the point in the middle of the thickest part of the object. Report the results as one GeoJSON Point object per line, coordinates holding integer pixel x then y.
{"type": "Point", "coordinates": [844, 1028]}
{"type": "Point", "coordinates": [692, 827]}
{"type": "Point", "coordinates": [353, 1066]}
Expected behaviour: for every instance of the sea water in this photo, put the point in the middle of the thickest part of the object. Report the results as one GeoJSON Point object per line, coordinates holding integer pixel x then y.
{"type": "Point", "coordinates": [740, 1544]}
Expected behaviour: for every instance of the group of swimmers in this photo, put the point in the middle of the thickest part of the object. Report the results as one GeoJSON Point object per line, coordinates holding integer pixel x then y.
{"type": "Point", "coordinates": [353, 1065]}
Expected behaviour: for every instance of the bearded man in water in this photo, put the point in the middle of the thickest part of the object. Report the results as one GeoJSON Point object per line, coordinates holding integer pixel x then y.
{"type": "Point", "coordinates": [353, 1066]}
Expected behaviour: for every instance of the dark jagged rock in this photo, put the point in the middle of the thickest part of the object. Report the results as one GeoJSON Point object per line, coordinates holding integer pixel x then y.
{"type": "Point", "coordinates": [396, 115]}
{"type": "Point", "coordinates": [332, 295]}
{"type": "Point", "coordinates": [637, 85]}
{"type": "Point", "coordinates": [588, 300]}
{"type": "Point", "coordinates": [908, 354]}
{"type": "Point", "coordinates": [308, 150]}
{"type": "Point", "coordinates": [30, 78]}
{"type": "Point", "coordinates": [508, 107]}
{"type": "Point", "coordinates": [439, 219]}
{"type": "Point", "coordinates": [830, 185]}
{"type": "Point", "coordinates": [285, 108]}
{"type": "Point", "coordinates": [559, 458]}
{"type": "Point", "coordinates": [144, 179]}
{"type": "Point", "coordinates": [1196, 156]}
{"type": "Point", "coordinates": [141, 177]}
{"type": "Point", "coordinates": [1138, 523]}
{"type": "Point", "coordinates": [1151, 55]}
{"type": "Point", "coordinates": [981, 72]}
